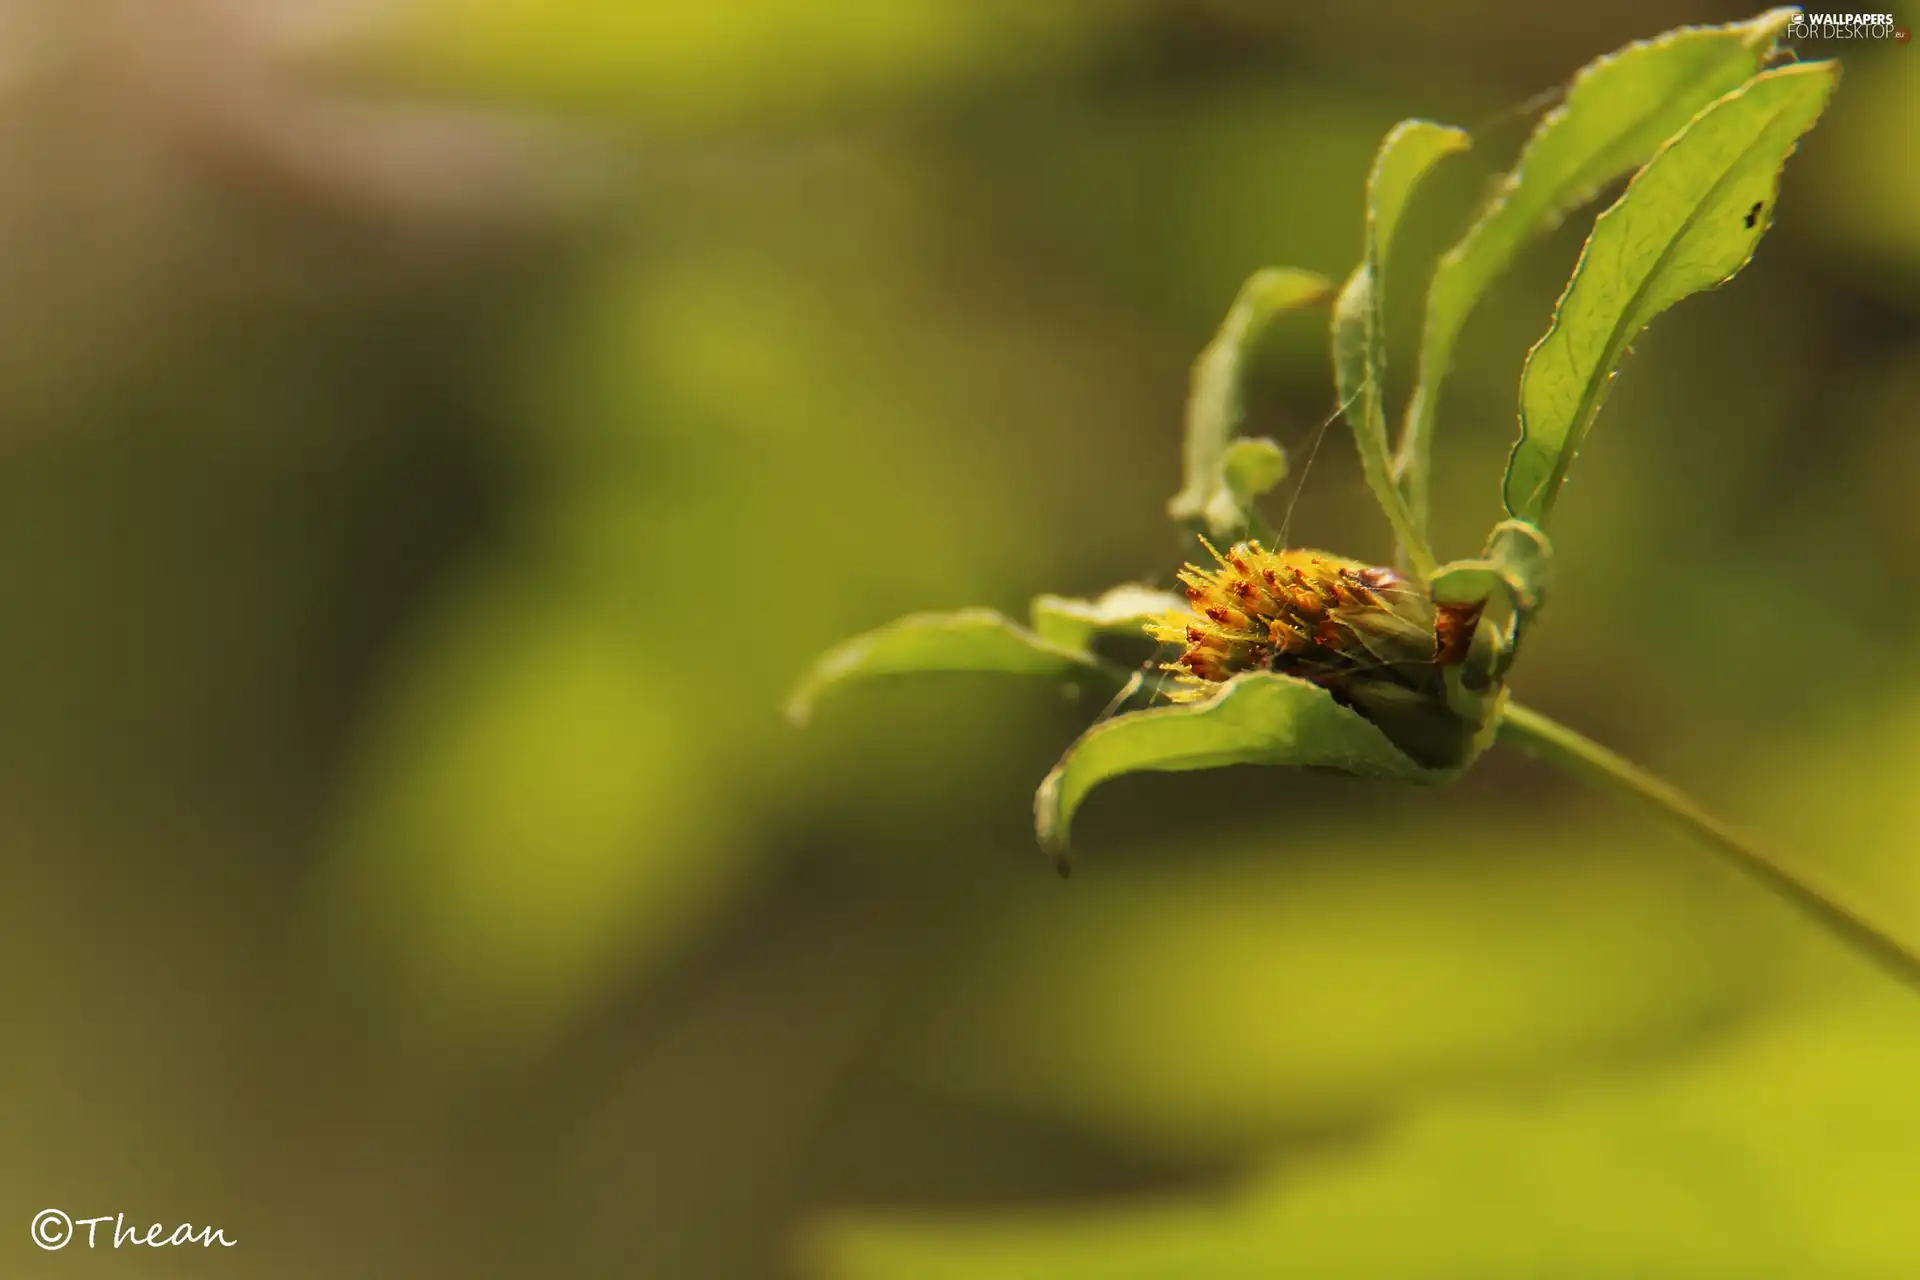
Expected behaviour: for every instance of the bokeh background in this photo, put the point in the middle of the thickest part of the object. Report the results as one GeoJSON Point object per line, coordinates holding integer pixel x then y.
{"type": "Point", "coordinates": [435, 435]}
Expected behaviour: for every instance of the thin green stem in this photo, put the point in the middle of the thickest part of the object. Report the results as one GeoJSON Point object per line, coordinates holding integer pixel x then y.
{"type": "Point", "coordinates": [1588, 760]}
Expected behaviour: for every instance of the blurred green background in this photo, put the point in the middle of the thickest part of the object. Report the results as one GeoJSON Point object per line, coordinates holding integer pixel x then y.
{"type": "Point", "coordinates": [434, 435]}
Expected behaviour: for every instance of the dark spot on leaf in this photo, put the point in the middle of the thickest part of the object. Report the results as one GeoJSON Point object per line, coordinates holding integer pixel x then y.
{"type": "Point", "coordinates": [1753, 214]}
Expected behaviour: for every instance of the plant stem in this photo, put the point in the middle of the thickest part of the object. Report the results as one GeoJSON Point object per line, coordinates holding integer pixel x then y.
{"type": "Point", "coordinates": [1581, 756]}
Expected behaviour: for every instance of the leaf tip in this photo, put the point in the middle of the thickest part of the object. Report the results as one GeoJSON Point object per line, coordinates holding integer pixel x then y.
{"type": "Point", "coordinates": [1768, 27]}
{"type": "Point", "coordinates": [833, 665]}
{"type": "Point", "coordinates": [1051, 821]}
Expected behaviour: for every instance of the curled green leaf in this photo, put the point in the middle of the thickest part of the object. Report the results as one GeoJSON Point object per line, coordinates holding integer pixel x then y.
{"type": "Point", "coordinates": [1258, 717]}
{"type": "Point", "coordinates": [1617, 112]}
{"type": "Point", "coordinates": [966, 640]}
{"type": "Point", "coordinates": [1410, 149]}
{"type": "Point", "coordinates": [1072, 624]}
{"type": "Point", "coordinates": [1214, 406]}
{"type": "Point", "coordinates": [1513, 574]}
{"type": "Point", "coordinates": [1518, 561]}
{"type": "Point", "coordinates": [1688, 222]}
{"type": "Point", "coordinates": [1251, 468]}
{"type": "Point", "coordinates": [1525, 557]}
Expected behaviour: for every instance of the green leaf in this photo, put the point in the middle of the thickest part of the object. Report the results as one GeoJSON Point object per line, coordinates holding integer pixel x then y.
{"type": "Point", "coordinates": [1785, 1152]}
{"type": "Point", "coordinates": [1618, 110]}
{"type": "Point", "coordinates": [1251, 468]}
{"type": "Point", "coordinates": [1257, 718]}
{"type": "Point", "coordinates": [1517, 563]}
{"type": "Point", "coordinates": [1512, 574]}
{"type": "Point", "coordinates": [1214, 407]}
{"type": "Point", "coordinates": [1688, 222]}
{"type": "Point", "coordinates": [962, 641]}
{"type": "Point", "coordinates": [1124, 610]}
{"type": "Point", "coordinates": [1409, 150]}
{"type": "Point", "coordinates": [1256, 974]}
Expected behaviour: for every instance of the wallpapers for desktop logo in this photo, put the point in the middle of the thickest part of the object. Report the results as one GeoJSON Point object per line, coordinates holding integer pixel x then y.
{"type": "Point", "coordinates": [1846, 26]}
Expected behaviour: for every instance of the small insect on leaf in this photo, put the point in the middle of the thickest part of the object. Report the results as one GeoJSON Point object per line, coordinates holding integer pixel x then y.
{"type": "Point", "coordinates": [1675, 232]}
{"type": "Point", "coordinates": [1618, 110]}
{"type": "Point", "coordinates": [1753, 214]}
